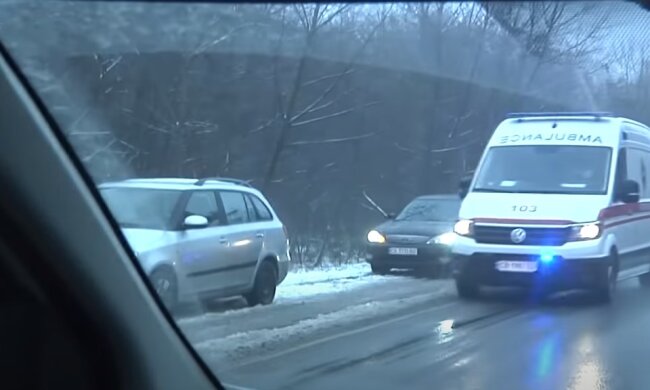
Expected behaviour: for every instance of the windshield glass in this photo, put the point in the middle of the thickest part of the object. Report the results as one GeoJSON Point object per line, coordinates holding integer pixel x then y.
{"type": "Point", "coordinates": [323, 119]}
{"type": "Point", "coordinates": [430, 210]}
{"type": "Point", "coordinates": [141, 208]}
{"type": "Point", "coordinates": [545, 169]}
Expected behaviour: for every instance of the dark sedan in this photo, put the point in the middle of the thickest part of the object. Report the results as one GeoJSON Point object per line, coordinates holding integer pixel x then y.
{"type": "Point", "coordinates": [418, 238]}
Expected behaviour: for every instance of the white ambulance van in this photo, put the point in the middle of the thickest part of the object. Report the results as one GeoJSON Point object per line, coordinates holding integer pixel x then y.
{"type": "Point", "coordinates": [558, 201]}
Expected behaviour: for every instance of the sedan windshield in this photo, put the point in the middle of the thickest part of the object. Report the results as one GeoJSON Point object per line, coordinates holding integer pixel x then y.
{"type": "Point", "coordinates": [141, 208]}
{"type": "Point", "coordinates": [430, 210]}
{"type": "Point", "coordinates": [545, 170]}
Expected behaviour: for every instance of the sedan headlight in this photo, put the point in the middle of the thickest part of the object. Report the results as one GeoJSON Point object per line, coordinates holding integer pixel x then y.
{"type": "Point", "coordinates": [375, 237]}
{"type": "Point", "coordinates": [586, 231]}
{"type": "Point", "coordinates": [443, 239]}
{"type": "Point", "coordinates": [464, 227]}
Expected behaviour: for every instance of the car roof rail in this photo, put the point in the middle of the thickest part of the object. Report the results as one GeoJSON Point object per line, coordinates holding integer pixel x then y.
{"type": "Point", "coordinates": [230, 180]}
{"type": "Point", "coordinates": [520, 116]}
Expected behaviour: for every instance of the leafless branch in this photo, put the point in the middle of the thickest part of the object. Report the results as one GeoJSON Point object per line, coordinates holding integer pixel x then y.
{"type": "Point", "coordinates": [128, 145]}
{"type": "Point", "coordinates": [374, 204]}
{"type": "Point", "coordinates": [301, 11]}
{"type": "Point", "coordinates": [157, 128]}
{"type": "Point", "coordinates": [333, 15]}
{"type": "Point", "coordinates": [449, 149]}
{"type": "Point", "coordinates": [408, 150]}
{"type": "Point", "coordinates": [99, 150]}
{"type": "Point", "coordinates": [113, 64]}
{"type": "Point", "coordinates": [348, 69]}
{"type": "Point", "coordinates": [264, 125]}
{"type": "Point", "coordinates": [79, 119]}
{"type": "Point", "coordinates": [328, 77]}
{"type": "Point", "coordinates": [317, 101]}
{"type": "Point", "coordinates": [206, 45]}
{"type": "Point", "coordinates": [331, 140]}
{"type": "Point", "coordinates": [333, 115]}
{"type": "Point", "coordinates": [321, 107]}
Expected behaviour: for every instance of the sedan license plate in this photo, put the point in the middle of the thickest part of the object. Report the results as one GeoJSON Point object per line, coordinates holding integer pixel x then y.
{"type": "Point", "coordinates": [516, 266]}
{"type": "Point", "coordinates": [403, 251]}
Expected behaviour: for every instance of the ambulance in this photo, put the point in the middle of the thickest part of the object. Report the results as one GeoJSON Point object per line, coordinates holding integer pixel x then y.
{"type": "Point", "coordinates": [559, 201]}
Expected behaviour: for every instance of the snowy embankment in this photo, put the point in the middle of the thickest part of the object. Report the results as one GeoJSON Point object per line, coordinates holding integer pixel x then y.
{"type": "Point", "coordinates": [309, 304]}
{"type": "Point", "coordinates": [309, 284]}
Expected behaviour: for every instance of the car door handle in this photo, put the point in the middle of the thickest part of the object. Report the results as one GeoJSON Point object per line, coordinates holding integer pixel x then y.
{"type": "Point", "coordinates": [223, 241]}
{"type": "Point", "coordinates": [259, 235]}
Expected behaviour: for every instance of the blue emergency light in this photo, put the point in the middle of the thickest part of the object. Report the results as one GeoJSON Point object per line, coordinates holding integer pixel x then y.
{"type": "Point", "coordinates": [546, 256]}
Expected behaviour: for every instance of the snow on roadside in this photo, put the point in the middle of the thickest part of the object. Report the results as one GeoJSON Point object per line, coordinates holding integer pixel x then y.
{"type": "Point", "coordinates": [242, 344]}
{"type": "Point", "coordinates": [308, 303]}
{"type": "Point", "coordinates": [354, 270]}
{"type": "Point", "coordinates": [305, 286]}
{"type": "Point", "coordinates": [302, 285]}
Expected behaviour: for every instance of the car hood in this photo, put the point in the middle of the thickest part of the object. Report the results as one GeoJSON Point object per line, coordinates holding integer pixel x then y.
{"type": "Point", "coordinates": [143, 240]}
{"type": "Point", "coordinates": [416, 228]}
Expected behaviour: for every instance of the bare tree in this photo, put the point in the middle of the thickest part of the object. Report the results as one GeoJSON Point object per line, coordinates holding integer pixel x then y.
{"type": "Point", "coordinates": [551, 31]}
{"type": "Point", "coordinates": [291, 113]}
{"type": "Point", "coordinates": [626, 89]}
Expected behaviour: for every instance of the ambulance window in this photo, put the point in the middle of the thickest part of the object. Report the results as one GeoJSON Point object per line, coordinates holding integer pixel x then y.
{"type": "Point", "coordinates": [637, 165]}
{"type": "Point", "coordinates": [621, 171]}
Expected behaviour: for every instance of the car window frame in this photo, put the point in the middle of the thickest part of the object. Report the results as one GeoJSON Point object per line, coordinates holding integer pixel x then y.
{"type": "Point", "coordinates": [223, 210]}
{"type": "Point", "coordinates": [253, 217]}
{"type": "Point", "coordinates": [257, 212]}
{"type": "Point", "coordinates": [187, 194]}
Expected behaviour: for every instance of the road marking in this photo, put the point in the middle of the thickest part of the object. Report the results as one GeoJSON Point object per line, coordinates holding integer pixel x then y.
{"type": "Point", "coordinates": [229, 386]}
{"type": "Point", "coordinates": [343, 334]}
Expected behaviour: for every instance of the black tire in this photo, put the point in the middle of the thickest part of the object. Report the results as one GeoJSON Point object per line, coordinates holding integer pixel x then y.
{"type": "Point", "coordinates": [266, 282]}
{"type": "Point", "coordinates": [166, 286]}
{"type": "Point", "coordinates": [608, 278]}
{"type": "Point", "coordinates": [644, 280]}
{"type": "Point", "coordinates": [467, 289]}
{"type": "Point", "coordinates": [379, 269]}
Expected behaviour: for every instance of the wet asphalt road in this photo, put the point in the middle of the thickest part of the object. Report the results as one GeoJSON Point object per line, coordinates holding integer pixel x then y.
{"type": "Point", "coordinates": [503, 341]}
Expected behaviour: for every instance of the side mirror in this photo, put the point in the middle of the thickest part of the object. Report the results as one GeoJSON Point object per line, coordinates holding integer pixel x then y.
{"type": "Point", "coordinates": [195, 222]}
{"type": "Point", "coordinates": [628, 191]}
{"type": "Point", "coordinates": [463, 186]}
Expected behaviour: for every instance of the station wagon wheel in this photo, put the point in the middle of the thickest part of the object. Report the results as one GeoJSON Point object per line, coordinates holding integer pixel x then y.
{"type": "Point", "coordinates": [265, 285]}
{"type": "Point", "coordinates": [164, 282]}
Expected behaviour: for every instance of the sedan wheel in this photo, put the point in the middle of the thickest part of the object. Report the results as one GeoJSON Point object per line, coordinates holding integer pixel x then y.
{"type": "Point", "coordinates": [379, 269]}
